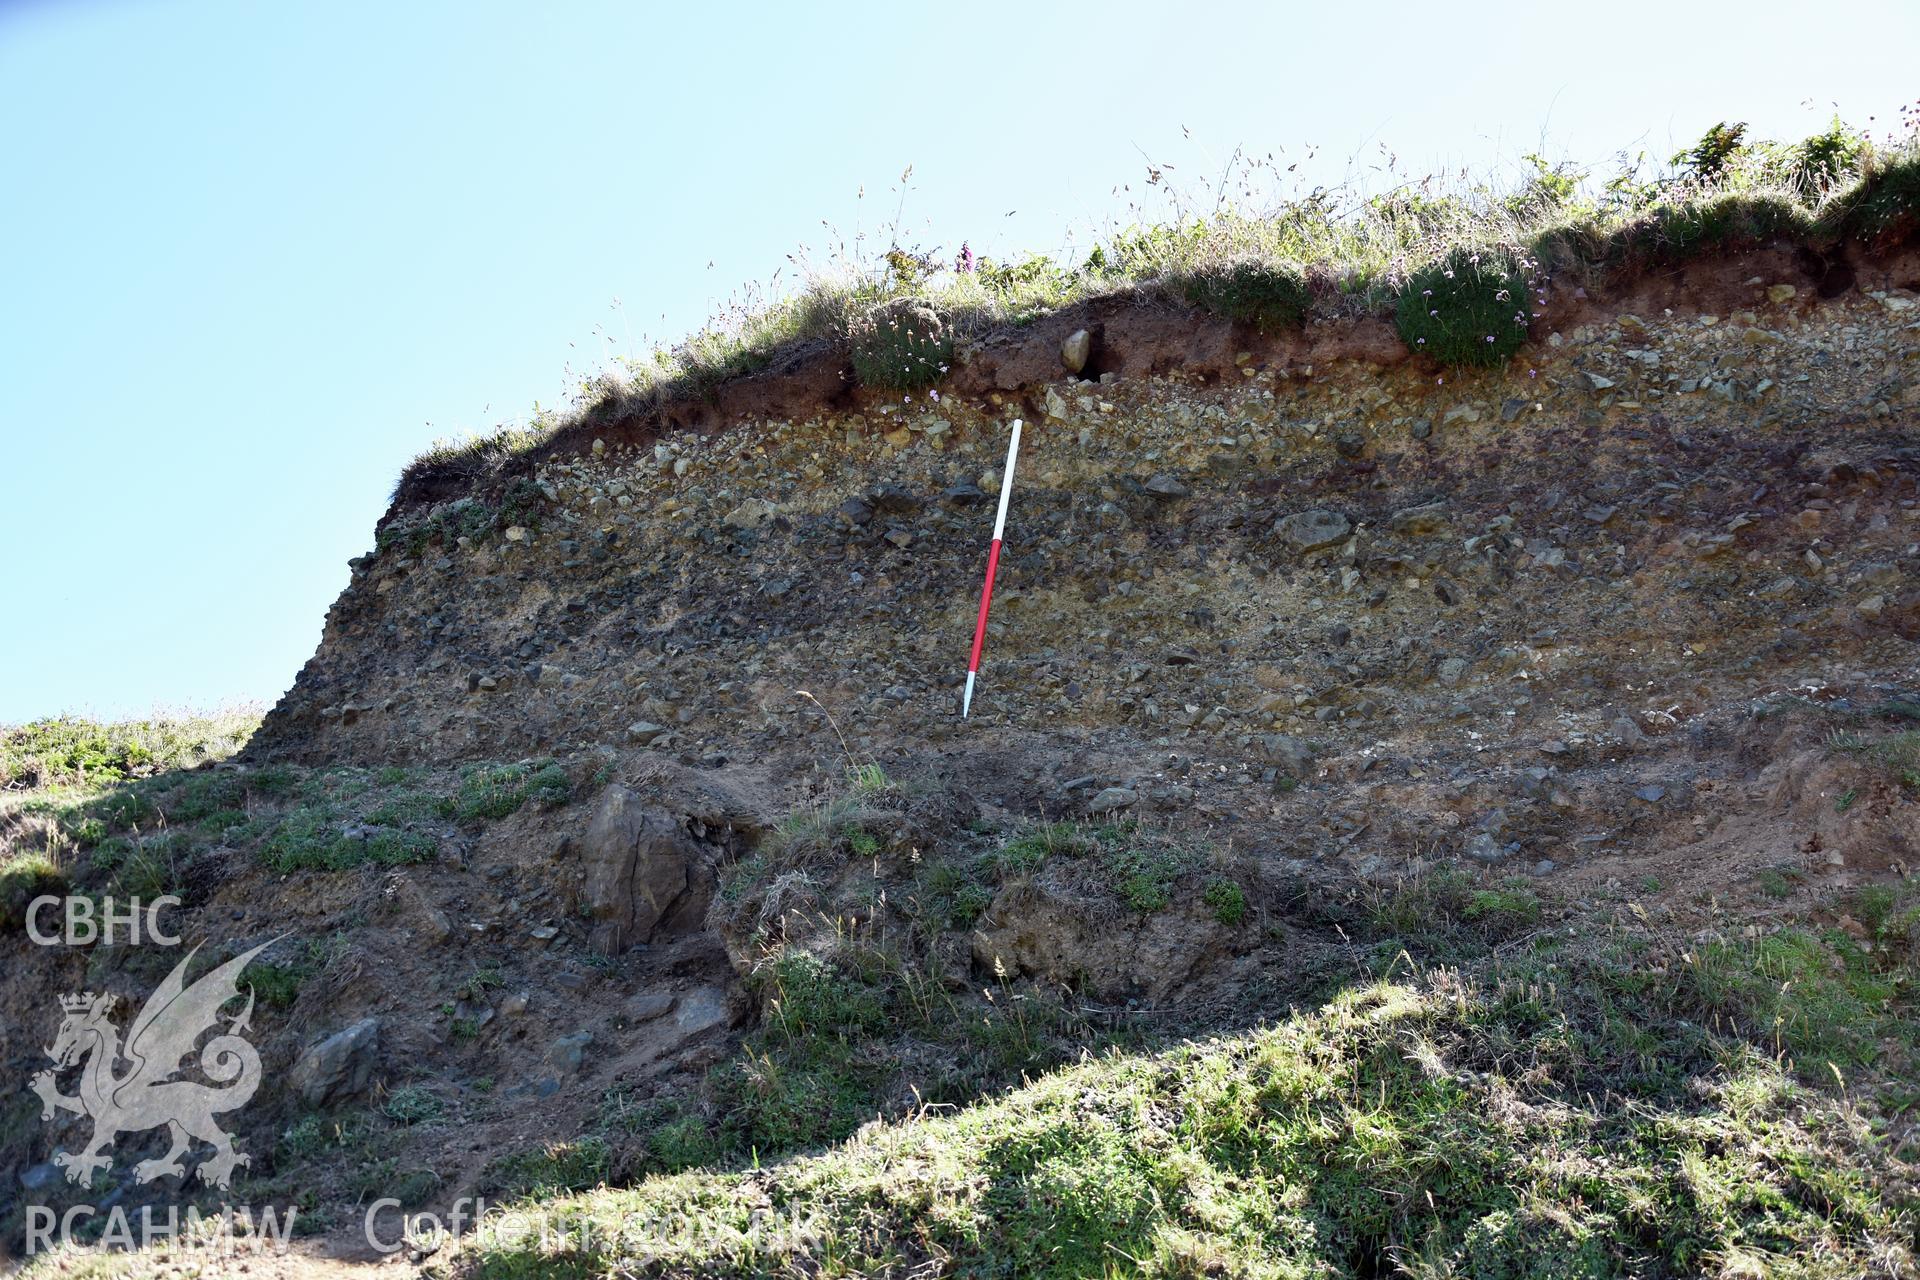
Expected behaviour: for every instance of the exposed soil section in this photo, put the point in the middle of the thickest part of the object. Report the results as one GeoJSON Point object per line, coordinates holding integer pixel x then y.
{"type": "Point", "coordinates": [1141, 333]}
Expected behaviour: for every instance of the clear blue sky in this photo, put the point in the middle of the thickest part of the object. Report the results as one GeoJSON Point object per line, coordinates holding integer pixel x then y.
{"type": "Point", "coordinates": [259, 255]}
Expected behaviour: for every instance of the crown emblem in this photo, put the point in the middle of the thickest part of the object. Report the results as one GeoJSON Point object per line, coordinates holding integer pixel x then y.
{"type": "Point", "coordinates": [84, 1002]}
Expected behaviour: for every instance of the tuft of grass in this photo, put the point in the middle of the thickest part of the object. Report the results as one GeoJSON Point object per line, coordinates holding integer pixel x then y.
{"type": "Point", "coordinates": [1450, 912]}
{"type": "Point", "coordinates": [1883, 209]}
{"type": "Point", "coordinates": [1506, 908]}
{"type": "Point", "coordinates": [314, 839]}
{"type": "Point", "coordinates": [1270, 296]}
{"type": "Point", "coordinates": [1815, 1000]}
{"type": "Point", "coordinates": [781, 1102]}
{"type": "Point", "coordinates": [384, 1178]}
{"type": "Point", "coordinates": [1025, 853]}
{"type": "Point", "coordinates": [1143, 874]}
{"type": "Point", "coordinates": [551, 1169]}
{"type": "Point", "coordinates": [824, 832]}
{"type": "Point", "coordinates": [499, 791]}
{"type": "Point", "coordinates": [808, 996]}
{"type": "Point", "coordinates": [277, 985]}
{"type": "Point", "coordinates": [152, 866]}
{"type": "Point", "coordinates": [468, 518]}
{"type": "Point", "coordinates": [954, 893]}
{"type": "Point", "coordinates": [317, 1135]}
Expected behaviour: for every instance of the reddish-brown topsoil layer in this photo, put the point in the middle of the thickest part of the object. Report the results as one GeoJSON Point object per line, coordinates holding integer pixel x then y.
{"type": "Point", "coordinates": [1143, 333]}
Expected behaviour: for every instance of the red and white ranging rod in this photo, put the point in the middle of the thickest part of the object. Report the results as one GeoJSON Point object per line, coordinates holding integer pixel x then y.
{"type": "Point", "coordinates": [993, 562]}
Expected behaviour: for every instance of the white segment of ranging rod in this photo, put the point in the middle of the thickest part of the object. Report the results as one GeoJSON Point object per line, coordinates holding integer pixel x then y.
{"type": "Point", "coordinates": [1006, 483]}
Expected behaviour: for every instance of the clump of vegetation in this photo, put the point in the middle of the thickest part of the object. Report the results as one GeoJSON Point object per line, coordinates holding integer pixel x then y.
{"type": "Point", "coordinates": [499, 791]}
{"type": "Point", "coordinates": [1143, 872]}
{"type": "Point", "coordinates": [1026, 852]}
{"type": "Point", "coordinates": [674, 1136]}
{"type": "Point", "coordinates": [470, 519]}
{"type": "Point", "coordinates": [384, 1178]}
{"type": "Point", "coordinates": [1453, 913]}
{"type": "Point", "coordinates": [133, 809]}
{"type": "Point", "coordinates": [807, 996]}
{"type": "Point", "coordinates": [71, 751]}
{"type": "Point", "coordinates": [825, 832]}
{"type": "Point", "coordinates": [1898, 754]}
{"type": "Point", "coordinates": [1227, 900]}
{"type": "Point", "coordinates": [465, 460]}
{"type": "Point", "coordinates": [1814, 1000]}
{"type": "Point", "coordinates": [1777, 882]}
{"type": "Point", "coordinates": [900, 345]}
{"type": "Point", "coordinates": [1469, 308]}
{"type": "Point", "coordinates": [1883, 210]}
{"type": "Point", "coordinates": [413, 1104]}
{"type": "Point", "coordinates": [316, 1135]}
{"type": "Point", "coordinates": [314, 840]}
{"type": "Point", "coordinates": [551, 1169]}
{"type": "Point", "coordinates": [1270, 296]}
{"type": "Point", "coordinates": [955, 894]}
{"type": "Point", "coordinates": [277, 984]}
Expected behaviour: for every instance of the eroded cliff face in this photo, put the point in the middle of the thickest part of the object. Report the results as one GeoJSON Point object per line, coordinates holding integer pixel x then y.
{"type": "Point", "coordinates": [610, 774]}
{"type": "Point", "coordinates": [1493, 608]}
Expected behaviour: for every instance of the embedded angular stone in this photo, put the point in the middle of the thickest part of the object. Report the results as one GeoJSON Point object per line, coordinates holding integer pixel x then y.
{"type": "Point", "coordinates": [1311, 530]}
{"type": "Point", "coordinates": [891, 499]}
{"type": "Point", "coordinates": [751, 514]}
{"type": "Point", "coordinates": [339, 1067]}
{"type": "Point", "coordinates": [1418, 522]}
{"type": "Point", "coordinates": [1289, 754]}
{"type": "Point", "coordinates": [963, 494]}
{"type": "Point", "coordinates": [1075, 350]}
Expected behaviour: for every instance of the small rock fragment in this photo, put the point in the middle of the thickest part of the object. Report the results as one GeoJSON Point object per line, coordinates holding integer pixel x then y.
{"type": "Point", "coordinates": [1311, 530]}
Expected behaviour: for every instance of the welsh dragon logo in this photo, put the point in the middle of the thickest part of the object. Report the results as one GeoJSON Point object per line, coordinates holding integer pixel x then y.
{"type": "Point", "coordinates": [144, 1095]}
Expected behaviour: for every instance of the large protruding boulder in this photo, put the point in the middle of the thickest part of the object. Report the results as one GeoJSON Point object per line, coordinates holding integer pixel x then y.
{"type": "Point", "coordinates": [643, 872]}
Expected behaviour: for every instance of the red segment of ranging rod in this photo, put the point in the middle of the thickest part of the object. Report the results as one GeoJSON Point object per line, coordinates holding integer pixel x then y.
{"type": "Point", "coordinates": [993, 562]}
